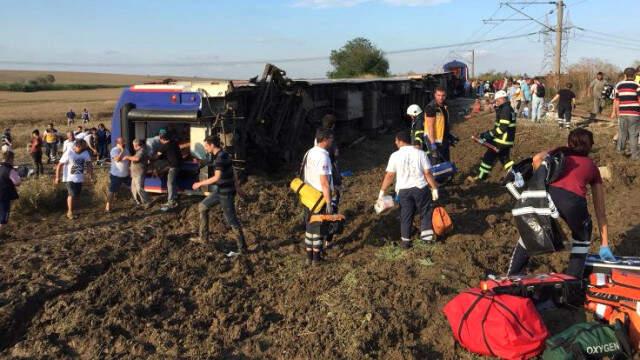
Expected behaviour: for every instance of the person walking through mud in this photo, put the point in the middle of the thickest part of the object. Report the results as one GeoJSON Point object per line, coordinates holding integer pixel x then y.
{"type": "Point", "coordinates": [73, 165]}
{"type": "Point", "coordinates": [71, 117]}
{"type": "Point", "coordinates": [595, 91]}
{"type": "Point", "coordinates": [569, 195]}
{"type": "Point", "coordinates": [101, 142]}
{"type": "Point", "coordinates": [169, 152]}
{"type": "Point", "coordinates": [138, 172]}
{"type": "Point", "coordinates": [566, 99]}
{"type": "Point", "coordinates": [317, 173]}
{"type": "Point", "coordinates": [68, 143]}
{"type": "Point", "coordinates": [118, 172]}
{"type": "Point", "coordinates": [412, 173]}
{"type": "Point", "coordinates": [437, 126]}
{"type": "Point", "coordinates": [85, 116]}
{"type": "Point", "coordinates": [626, 107]}
{"type": "Point", "coordinates": [51, 143]}
{"type": "Point", "coordinates": [9, 180]}
{"type": "Point", "coordinates": [35, 150]}
{"type": "Point", "coordinates": [223, 192]}
{"type": "Point", "coordinates": [502, 136]}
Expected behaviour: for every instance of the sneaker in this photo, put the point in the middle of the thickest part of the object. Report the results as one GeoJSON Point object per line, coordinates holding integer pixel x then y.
{"type": "Point", "coordinates": [168, 206]}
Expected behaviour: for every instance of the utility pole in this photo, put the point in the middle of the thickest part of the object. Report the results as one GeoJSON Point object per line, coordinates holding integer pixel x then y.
{"type": "Point", "coordinates": [559, 29]}
{"type": "Point", "coordinates": [473, 63]}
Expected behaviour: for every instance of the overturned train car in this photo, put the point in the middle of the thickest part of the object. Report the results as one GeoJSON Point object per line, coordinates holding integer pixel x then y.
{"type": "Point", "coordinates": [263, 122]}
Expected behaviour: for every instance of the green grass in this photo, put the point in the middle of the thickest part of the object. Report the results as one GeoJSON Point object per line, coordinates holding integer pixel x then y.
{"type": "Point", "coordinates": [33, 87]}
{"type": "Point", "coordinates": [390, 253]}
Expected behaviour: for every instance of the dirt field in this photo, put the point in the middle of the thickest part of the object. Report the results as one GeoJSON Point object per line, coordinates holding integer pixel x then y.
{"type": "Point", "coordinates": [130, 284]}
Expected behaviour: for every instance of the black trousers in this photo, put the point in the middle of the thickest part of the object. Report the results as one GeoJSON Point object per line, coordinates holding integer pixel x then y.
{"type": "Point", "coordinates": [490, 157]}
{"type": "Point", "coordinates": [414, 201]}
{"type": "Point", "coordinates": [573, 210]}
{"type": "Point", "coordinates": [564, 112]}
{"type": "Point", "coordinates": [443, 150]}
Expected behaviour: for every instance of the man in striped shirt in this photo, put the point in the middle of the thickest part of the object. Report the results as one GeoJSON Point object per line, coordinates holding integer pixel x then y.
{"type": "Point", "coordinates": [626, 107]}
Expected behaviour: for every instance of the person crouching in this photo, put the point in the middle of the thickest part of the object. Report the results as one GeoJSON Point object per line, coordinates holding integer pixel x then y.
{"type": "Point", "coordinates": [411, 170]}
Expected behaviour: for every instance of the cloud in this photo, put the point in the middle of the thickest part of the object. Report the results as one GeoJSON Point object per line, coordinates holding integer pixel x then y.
{"type": "Point", "coordinates": [321, 4]}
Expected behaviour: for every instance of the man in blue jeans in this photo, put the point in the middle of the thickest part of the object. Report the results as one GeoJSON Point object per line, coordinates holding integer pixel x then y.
{"type": "Point", "coordinates": [170, 152]}
{"type": "Point", "coordinates": [223, 193]}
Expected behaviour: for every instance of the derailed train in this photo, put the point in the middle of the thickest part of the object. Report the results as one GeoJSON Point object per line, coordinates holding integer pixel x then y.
{"type": "Point", "coordinates": [266, 121]}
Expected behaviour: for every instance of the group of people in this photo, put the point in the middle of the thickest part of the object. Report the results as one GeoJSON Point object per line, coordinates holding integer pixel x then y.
{"type": "Point", "coordinates": [526, 95]}
{"type": "Point", "coordinates": [97, 141]}
{"type": "Point", "coordinates": [84, 116]}
{"type": "Point", "coordinates": [415, 187]}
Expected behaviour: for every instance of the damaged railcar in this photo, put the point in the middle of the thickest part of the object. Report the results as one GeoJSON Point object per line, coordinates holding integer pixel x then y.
{"type": "Point", "coordinates": [266, 121]}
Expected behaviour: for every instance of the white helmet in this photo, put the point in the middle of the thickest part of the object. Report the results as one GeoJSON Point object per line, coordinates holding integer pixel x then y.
{"type": "Point", "coordinates": [414, 110]}
{"type": "Point", "coordinates": [500, 94]}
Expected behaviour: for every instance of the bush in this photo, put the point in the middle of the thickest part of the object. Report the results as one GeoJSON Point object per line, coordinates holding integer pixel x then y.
{"type": "Point", "coordinates": [40, 85]}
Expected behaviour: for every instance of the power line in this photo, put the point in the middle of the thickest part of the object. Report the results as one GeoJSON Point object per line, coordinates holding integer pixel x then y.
{"type": "Point", "coordinates": [251, 62]}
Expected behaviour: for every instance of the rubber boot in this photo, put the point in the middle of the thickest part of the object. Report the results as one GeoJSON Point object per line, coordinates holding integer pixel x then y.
{"type": "Point", "coordinates": [240, 242]}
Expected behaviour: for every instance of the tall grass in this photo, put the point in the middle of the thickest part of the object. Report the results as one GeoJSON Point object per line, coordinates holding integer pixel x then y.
{"type": "Point", "coordinates": [40, 195]}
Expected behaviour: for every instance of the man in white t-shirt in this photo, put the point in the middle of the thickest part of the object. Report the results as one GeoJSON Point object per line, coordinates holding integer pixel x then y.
{"type": "Point", "coordinates": [412, 172]}
{"type": "Point", "coordinates": [119, 172]}
{"type": "Point", "coordinates": [76, 161]}
{"type": "Point", "coordinates": [68, 143]}
{"type": "Point", "coordinates": [317, 174]}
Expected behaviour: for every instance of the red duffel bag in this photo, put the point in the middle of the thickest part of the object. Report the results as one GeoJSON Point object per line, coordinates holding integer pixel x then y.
{"type": "Point", "coordinates": [504, 326]}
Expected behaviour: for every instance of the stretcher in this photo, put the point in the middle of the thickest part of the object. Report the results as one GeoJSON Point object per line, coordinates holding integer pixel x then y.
{"type": "Point", "coordinates": [595, 264]}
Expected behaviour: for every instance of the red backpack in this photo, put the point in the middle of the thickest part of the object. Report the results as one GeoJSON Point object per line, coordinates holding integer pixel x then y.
{"type": "Point", "coordinates": [504, 326]}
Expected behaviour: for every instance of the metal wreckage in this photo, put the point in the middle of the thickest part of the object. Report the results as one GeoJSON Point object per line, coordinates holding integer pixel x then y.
{"type": "Point", "coordinates": [266, 121]}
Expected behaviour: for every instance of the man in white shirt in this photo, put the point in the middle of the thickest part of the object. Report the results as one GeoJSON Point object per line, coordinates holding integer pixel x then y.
{"type": "Point", "coordinates": [76, 161]}
{"type": "Point", "coordinates": [119, 172]}
{"type": "Point", "coordinates": [68, 143]}
{"type": "Point", "coordinates": [317, 174]}
{"type": "Point", "coordinates": [412, 173]}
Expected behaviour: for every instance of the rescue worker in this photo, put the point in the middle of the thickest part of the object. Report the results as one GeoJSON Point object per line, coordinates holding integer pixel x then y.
{"type": "Point", "coordinates": [329, 122]}
{"type": "Point", "coordinates": [502, 136]}
{"type": "Point", "coordinates": [437, 126]}
{"type": "Point", "coordinates": [223, 193]}
{"type": "Point", "coordinates": [569, 195]}
{"type": "Point", "coordinates": [417, 126]}
{"type": "Point", "coordinates": [410, 168]}
{"type": "Point", "coordinates": [317, 173]}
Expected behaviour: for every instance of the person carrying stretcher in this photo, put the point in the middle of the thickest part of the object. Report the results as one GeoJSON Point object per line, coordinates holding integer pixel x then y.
{"type": "Point", "coordinates": [568, 194]}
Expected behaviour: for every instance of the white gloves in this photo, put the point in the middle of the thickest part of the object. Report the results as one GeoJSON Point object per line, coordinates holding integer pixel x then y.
{"type": "Point", "coordinates": [381, 194]}
{"type": "Point", "coordinates": [434, 195]}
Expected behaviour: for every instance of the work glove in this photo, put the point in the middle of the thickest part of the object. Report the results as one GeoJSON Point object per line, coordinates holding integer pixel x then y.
{"type": "Point", "coordinates": [486, 136]}
{"type": "Point", "coordinates": [329, 209]}
{"type": "Point", "coordinates": [434, 195]}
{"type": "Point", "coordinates": [606, 254]}
{"type": "Point", "coordinates": [381, 194]}
{"type": "Point", "coordinates": [433, 147]}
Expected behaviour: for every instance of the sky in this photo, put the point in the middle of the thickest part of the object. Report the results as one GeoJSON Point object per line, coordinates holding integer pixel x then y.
{"type": "Point", "coordinates": [204, 37]}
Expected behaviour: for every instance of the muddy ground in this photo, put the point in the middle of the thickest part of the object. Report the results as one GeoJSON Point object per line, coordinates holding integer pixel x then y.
{"type": "Point", "coordinates": [130, 285]}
